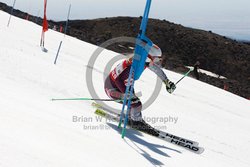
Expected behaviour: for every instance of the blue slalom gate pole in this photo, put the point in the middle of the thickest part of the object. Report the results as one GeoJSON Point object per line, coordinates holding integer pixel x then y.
{"type": "Point", "coordinates": [128, 87]}
{"type": "Point", "coordinates": [65, 31]}
{"type": "Point", "coordinates": [141, 52]}
{"type": "Point", "coordinates": [11, 12]}
{"type": "Point", "coordinates": [137, 66]}
{"type": "Point", "coordinates": [128, 109]}
{"type": "Point", "coordinates": [144, 23]}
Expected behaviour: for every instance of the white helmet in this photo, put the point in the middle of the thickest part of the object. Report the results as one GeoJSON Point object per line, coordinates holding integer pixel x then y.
{"type": "Point", "coordinates": [155, 51]}
{"type": "Point", "coordinates": [154, 54]}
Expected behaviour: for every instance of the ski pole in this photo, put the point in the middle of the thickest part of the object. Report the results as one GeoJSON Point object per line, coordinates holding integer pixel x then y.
{"type": "Point", "coordinates": [186, 74]}
{"type": "Point", "coordinates": [54, 99]}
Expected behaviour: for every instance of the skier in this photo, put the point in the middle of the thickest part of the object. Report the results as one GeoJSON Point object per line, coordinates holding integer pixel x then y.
{"type": "Point", "coordinates": [195, 71]}
{"type": "Point", "coordinates": [115, 87]}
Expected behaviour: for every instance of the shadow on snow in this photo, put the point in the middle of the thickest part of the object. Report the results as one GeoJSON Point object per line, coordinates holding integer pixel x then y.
{"type": "Point", "coordinates": [133, 136]}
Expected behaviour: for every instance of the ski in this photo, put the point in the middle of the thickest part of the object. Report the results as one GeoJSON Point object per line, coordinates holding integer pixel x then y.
{"type": "Point", "coordinates": [163, 134]}
{"type": "Point", "coordinates": [176, 140]}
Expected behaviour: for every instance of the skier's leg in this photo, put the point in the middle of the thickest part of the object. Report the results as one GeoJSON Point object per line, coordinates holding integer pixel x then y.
{"type": "Point", "coordinates": [111, 90]}
{"type": "Point", "coordinates": [136, 120]}
{"type": "Point", "coordinates": [136, 107]}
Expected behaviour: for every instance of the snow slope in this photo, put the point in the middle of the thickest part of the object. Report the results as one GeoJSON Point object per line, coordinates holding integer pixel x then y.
{"type": "Point", "coordinates": [34, 131]}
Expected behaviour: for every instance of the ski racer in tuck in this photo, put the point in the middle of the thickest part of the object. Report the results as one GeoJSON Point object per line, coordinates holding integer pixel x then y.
{"type": "Point", "coordinates": [115, 87]}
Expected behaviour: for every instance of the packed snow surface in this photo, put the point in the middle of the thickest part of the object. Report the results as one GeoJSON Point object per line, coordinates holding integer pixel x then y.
{"type": "Point", "coordinates": [35, 131]}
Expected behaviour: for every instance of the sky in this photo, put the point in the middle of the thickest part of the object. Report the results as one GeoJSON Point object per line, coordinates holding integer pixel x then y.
{"type": "Point", "coordinates": [225, 17]}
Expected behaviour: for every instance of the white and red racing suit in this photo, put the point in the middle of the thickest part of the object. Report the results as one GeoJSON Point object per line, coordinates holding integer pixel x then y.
{"type": "Point", "coordinates": [116, 82]}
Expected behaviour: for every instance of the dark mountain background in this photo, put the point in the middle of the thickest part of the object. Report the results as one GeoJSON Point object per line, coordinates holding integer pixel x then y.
{"type": "Point", "coordinates": [181, 46]}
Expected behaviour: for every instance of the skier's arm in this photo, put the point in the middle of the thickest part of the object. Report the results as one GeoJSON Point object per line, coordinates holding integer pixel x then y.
{"type": "Point", "coordinates": [158, 71]}
{"type": "Point", "coordinates": [170, 86]}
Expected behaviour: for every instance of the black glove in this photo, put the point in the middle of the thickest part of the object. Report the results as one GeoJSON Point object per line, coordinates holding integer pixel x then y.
{"type": "Point", "coordinates": [170, 86]}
